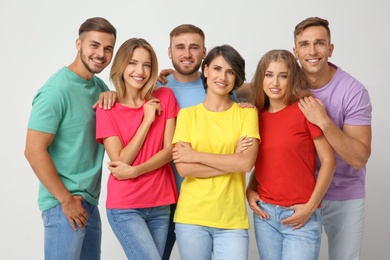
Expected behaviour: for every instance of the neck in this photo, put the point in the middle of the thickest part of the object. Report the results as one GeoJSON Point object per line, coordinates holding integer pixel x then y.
{"type": "Point", "coordinates": [321, 78]}
{"type": "Point", "coordinates": [217, 103]}
{"type": "Point", "coordinates": [79, 69]}
{"type": "Point", "coordinates": [276, 106]}
{"type": "Point", "coordinates": [186, 78]}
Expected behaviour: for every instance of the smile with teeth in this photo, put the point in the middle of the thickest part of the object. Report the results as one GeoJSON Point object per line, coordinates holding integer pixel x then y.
{"type": "Point", "coordinates": [137, 78]}
{"type": "Point", "coordinates": [220, 84]}
{"type": "Point", "coordinates": [274, 90]}
{"type": "Point", "coordinates": [313, 60]}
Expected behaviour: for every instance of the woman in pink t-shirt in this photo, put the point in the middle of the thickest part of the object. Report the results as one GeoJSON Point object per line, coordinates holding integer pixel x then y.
{"type": "Point", "coordinates": [137, 134]}
{"type": "Point", "coordinates": [283, 191]}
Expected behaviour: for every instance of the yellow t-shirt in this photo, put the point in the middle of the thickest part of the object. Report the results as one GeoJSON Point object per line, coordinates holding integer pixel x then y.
{"type": "Point", "coordinates": [217, 202]}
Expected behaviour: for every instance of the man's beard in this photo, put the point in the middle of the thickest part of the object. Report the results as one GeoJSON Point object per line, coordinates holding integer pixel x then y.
{"type": "Point", "coordinates": [85, 62]}
{"type": "Point", "coordinates": [186, 72]}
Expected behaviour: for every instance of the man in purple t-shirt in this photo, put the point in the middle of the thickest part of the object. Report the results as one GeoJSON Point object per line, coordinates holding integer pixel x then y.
{"type": "Point", "coordinates": [343, 112]}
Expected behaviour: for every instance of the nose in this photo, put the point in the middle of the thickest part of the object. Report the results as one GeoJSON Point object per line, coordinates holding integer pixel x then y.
{"type": "Point", "coordinates": [312, 49]}
{"type": "Point", "coordinates": [187, 53]}
{"type": "Point", "coordinates": [275, 81]}
{"type": "Point", "coordinates": [139, 69]}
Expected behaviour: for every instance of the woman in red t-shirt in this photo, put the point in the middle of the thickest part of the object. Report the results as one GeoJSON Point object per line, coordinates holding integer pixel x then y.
{"type": "Point", "coordinates": [287, 214]}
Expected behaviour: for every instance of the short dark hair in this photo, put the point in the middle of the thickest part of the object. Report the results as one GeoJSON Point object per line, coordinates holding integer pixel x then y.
{"type": "Point", "coordinates": [186, 28]}
{"type": "Point", "coordinates": [98, 24]}
{"type": "Point", "coordinates": [232, 56]}
{"type": "Point", "coordinates": [309, 22]}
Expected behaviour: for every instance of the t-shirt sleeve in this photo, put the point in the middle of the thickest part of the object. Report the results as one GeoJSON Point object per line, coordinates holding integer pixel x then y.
{"type": "Point", "coordinates": [47, 111]}
{"type": "Point", "coordinates": [251, 123]}
{"type": "Point", "coordinates": [182, 131]}
{"type": "Point", "coordinates": [172, 106]}
{"type": "Point", "coordinates": [313, 130]}
{"type": "Point", "coordinates": [358, 110]}
{"type": "Point", "coordinates": [104, 125]}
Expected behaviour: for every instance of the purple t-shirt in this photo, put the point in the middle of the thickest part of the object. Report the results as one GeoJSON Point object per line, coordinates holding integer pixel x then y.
{"type": "Point", "coordinates": [347, 103]}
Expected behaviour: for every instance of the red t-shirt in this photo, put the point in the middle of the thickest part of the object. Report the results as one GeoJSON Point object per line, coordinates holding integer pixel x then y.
{"type": "Point", "coordinates": [155, 188]}
{"type": "Point", "coordinates": [285, 165]}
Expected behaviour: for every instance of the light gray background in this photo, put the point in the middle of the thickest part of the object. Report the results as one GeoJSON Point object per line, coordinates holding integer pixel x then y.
{"type": "Point", "coordinates": [38, 37]}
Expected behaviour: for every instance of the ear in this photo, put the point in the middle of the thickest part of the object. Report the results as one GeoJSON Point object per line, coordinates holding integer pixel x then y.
{"type": "Point", "coordinates": [204, 53]}
{"type": "Point", "coordinates": [78, 44]}
{"type": "Point", "coordinates": [295, 53]}
{"type": "Point", "coordinates": [331, 48]}
{"type": "Point", "coordinates": [205, 71]}
{"type": "Point", "coordinates": [170, 52]}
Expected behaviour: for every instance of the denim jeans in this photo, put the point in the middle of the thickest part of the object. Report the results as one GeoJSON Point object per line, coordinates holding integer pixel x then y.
{"type": "Point", "coordinates": [277, 241]}
{"type": "Point", "coordinates": [62, 242]}
{"type": "Point", "coordinates": [200, 243]}
{"type": "Point", "coordinates": [344, 224]}
{"type": "Point", "coordinates": [141, 232]}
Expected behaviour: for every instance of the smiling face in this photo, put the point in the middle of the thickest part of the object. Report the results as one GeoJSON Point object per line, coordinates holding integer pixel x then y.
{"type": "Point", "coordinates": [276, 82]}
{"type": "Point", "coordinates": [312, 49]}
{"type": "Point", "coordinates": [138, 70]}
{"type": "Point", "coordinates": [95, 50]}
{"type": "Point", "coordinates": [220, 76]}
{"type": "Point", "coordinates": [187, 52]}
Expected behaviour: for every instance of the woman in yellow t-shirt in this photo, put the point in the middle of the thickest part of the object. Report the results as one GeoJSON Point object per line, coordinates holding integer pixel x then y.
{"type": "Point", "coordinates": [211, 217]}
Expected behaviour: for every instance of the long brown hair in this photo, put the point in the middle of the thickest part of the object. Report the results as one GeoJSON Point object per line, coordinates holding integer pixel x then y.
{"type": "Point", "coordinates": [298, 87]}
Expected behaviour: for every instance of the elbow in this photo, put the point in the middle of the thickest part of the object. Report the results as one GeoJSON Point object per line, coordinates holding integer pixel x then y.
{"type": "Point", "coordinates": [359, 164]}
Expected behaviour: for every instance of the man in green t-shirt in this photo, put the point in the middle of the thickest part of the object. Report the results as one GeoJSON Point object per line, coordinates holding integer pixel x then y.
{"type": "Point", "coordinates": [62, 150]}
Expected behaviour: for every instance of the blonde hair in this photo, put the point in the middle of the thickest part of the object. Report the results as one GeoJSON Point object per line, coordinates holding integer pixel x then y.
{"type": "Point", "coordinates": [121, 60]}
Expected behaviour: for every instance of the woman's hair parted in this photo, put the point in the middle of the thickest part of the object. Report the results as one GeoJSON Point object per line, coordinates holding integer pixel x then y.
{"type": "Point", "coordinates": [122, 59]}
{"type": "Point", "coordinates": [232, 56]}
{"type": "Point", "coordinates": [298, 86]}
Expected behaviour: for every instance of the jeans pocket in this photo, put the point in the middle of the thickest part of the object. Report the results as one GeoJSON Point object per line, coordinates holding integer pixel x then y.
{"type": "Point", "coordinates": [45, 215]}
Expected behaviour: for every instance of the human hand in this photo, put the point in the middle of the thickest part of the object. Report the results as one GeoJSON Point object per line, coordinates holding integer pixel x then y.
{"type": "Point", "coordinates": [298, 219]}
{"type": "Point", "coordinates": [122, 171]}
{"type": "Point", "coordinates": [252, 198]}
{"type": "Point", "coordinates": [75, 212]}
{"type": "Point", "coordinates": [243, 144]}
{"type": "Point", "coordinates": [162, 77]}
{"type": "Point", "coordinates": [151, 108]}
{"type": "Point", "coordinates": [106, 100]}
{"type": "Point", "coordinates": [314, 110]}
{"type": "Point", "coordinates": [183, 153]}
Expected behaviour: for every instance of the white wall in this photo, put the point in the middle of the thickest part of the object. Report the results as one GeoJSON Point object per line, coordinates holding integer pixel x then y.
{"type": "Point", "coordinates": [38, 37]}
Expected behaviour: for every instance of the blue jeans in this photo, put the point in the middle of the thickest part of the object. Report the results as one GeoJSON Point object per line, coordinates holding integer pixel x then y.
{"type": "Point", "coordinates": [62, 242]}
{"type": "Point", "coordinates": [200, 243]}
{"type": "Point", "coordinates": [277, 241]}
{"type": "Point", "coordinates": [141, 232]}
{"type": "Point", "coordinates": [344, 224]}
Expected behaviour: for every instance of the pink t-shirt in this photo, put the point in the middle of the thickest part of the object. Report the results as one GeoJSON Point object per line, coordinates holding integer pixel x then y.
{"type": "Point", "coordinates": [155, 188]}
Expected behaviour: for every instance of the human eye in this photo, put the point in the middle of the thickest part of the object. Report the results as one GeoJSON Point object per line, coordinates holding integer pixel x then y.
{"type": "Point", "coordinates": [194, 47]}
{"type": "Point", "coordinates": [268, 75]}
{"type": "Point", "coordinates": [283, 76]}
{"type": "Point", "coordinates": [231, 72]}
{"type": "Point", "coordinates": [132, 62]}
{"type": "Point", "coordinates": [108, 50]}
{"type": "Point", "coordinates": [148, 65]}
{"type": "Point", "coordinates": [217, 68]}
{"type": "Point", "coordinates": [320, 43]}
{"type": "Point", "coordinates": [303, 44]}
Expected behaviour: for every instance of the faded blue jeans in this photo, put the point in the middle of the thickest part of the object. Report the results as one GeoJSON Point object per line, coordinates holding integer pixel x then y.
{"type": "Point", "coordinates": [200, 243]}
{"type": "Point", "coordinates": [62, 242]}
{"type": "Point", "coordinates": [276, 241]}
{"type": "Point", "coordinates": [141, 232]}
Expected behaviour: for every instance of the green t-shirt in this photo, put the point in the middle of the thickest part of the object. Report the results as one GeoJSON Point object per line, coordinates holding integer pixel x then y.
{"type": "Point", "coordinates": [63, 107]}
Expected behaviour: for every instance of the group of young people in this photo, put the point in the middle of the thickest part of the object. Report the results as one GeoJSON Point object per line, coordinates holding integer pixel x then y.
{"type": "Point", "coordinates": [180, 149]}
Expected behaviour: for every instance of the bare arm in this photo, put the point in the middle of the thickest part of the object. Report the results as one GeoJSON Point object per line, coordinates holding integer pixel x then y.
{"type": "Point", "coordinates": [302, 212]}
{"type": "Point", "coordinates": [186, 159]}
{"type": "Point", "coordinates": [123, 171]}
{"type": "Point", "coordinates": [352, 143]}
{"type": "Point", "coordinates": [127, 154]}
{"type": "Point", "coordinates": [44, 168]}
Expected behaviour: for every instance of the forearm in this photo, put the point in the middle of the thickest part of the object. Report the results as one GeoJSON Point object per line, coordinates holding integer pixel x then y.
{"type": "Point", "coordinates": [351, 150]}
{"type": "Point", "coordinates": [197, 170]}
{"type": "Point", "coordinates": [325, 175]}
{"type": "Point", "coordinates": [45, 170]}
{"type": "Point", "coordinates": [128, 153]}
{"type": "Point", "coordinates": [252, 183]}
{"type": "Point", "coordinates": [156, 161]}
